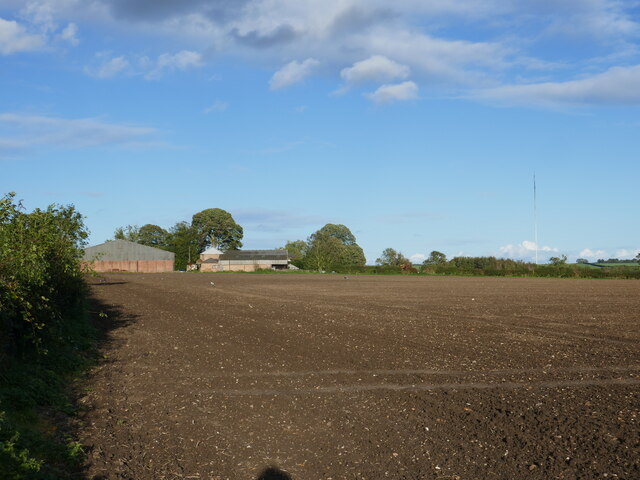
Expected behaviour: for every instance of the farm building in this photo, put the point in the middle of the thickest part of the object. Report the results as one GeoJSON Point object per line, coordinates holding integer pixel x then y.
{"type": "Point", "coordinates": [213, 260]}
{"type": "Point", "coordinates": [124, 256]}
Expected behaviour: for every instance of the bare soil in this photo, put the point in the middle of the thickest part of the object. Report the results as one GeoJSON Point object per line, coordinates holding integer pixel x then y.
{"type": "Point", "coordinates": [240, 376]}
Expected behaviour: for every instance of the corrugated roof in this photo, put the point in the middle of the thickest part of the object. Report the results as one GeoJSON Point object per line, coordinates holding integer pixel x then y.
{"type": "Point", "coordinates": [250, 255]}
{"type": "Point", "coordinates": [118, 250]}
{"type": "Point", "coordinates": [211, 251]}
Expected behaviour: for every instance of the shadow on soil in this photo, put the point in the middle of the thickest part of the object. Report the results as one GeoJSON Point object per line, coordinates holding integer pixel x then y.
{"type": "Point", "coordinates": [273, 473]}
{"type": "Point", "coordinates": [106, 319]}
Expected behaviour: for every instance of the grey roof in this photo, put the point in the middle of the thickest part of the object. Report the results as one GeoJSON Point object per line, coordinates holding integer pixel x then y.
{"type": "Point", "coordinates": [210, 260]}
{"type": "Point", "coordinates": [118, 250]}
{"type": "Point", "coordinates": [255, 255]}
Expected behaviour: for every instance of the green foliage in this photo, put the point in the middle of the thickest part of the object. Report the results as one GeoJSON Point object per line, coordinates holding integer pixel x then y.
{"type": "Point", "coordinates": [183, 240]}
{"type": "Point", "coordinates": [296, 249]}
{"type": "Point", "coordinates": [216, 227]}
{"type": "Point", "coordinates": [153, 236]}
{"type": "Point", "coordinates": [390, 257]}
{"type": "Point", "coordinates": [582, 260]}
{"type": "Point", "coordinates": [331, 248]}
{"type": "Point", "coordinates": [130, 233]}
{"type": "Point", "coordinates": [435, 258]}
{"type": "Point", "coordinates": [557, 261]}
{"type": "Point", "coordinates": [44, 334]}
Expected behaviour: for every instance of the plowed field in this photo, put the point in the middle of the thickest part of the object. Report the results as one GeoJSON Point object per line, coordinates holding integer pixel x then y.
{"type": "Point", "coordinates": [221, 376]}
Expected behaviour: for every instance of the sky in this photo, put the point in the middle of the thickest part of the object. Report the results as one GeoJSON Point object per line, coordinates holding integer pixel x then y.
{"type": "Point", "coordinates": [419, 124]}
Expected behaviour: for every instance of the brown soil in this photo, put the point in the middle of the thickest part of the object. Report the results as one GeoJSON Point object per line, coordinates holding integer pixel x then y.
{"type": "Point", "coordinates": [327, 377]}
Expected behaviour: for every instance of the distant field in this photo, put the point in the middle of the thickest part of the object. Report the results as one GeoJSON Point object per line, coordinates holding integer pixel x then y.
{"type": "Point", "coordinates": [609, 265]}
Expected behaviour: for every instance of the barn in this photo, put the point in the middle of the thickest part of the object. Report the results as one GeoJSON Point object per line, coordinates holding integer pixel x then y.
{"type": "Point", "coordinates": [213, 260]}
{"type": "Point", "coordinates": [124, 256]}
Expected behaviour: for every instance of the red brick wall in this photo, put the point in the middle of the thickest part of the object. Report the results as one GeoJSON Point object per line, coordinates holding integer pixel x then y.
{"type": "Point", "coordinates": [145, 266]}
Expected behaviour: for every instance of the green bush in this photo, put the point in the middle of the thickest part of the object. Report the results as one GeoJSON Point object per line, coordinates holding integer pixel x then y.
{"type": "Point", "coordinates": [44, 334]}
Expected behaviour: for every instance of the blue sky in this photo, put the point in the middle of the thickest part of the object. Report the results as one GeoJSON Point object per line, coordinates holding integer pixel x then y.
{"type": "Point", "coordinates": [418, 124]}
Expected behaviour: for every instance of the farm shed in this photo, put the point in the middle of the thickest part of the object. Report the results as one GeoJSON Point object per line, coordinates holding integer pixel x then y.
{"type": "Point", "coordinates": [124, 256]}
{"type": "Point", "coordinates": [213, 260]}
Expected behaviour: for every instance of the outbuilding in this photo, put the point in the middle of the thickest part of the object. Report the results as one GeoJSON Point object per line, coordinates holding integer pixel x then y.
{"type": "Point", "coordinates": [124, 256]}
{"type": "Point", "coordinates": [213, 260]}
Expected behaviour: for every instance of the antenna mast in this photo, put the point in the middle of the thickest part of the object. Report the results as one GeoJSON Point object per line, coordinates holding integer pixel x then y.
{"type": "Point", "coordinates": [535, 216]}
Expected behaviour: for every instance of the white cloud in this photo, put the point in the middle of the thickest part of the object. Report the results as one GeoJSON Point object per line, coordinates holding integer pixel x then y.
{"type": "Point", "coordinates": [392, 93]}
{"type": "Point", "coordinates": [292, 73]}
{"type": "Point", "coordinates": [216, 106]}
{"type": "Point", "coordinates": [526, 251]}
{"type": "Point", "coordinates": [109, 68]}
{"type": "Point", "coordinates": [182, 60]}
{"type": "Point", "coordinates": [376, 68]}
{"type": "Point", "coordinates": [69, 34]}
{"type": "Point", "coordinates": [26, 131]}
{"type": "Point", "coordinates": [618, 85]}
{"type": "Point", "coordinates": [626, 253]}
{"type": "Point", "coordinates": [592, 254]}
{"type": "Point", "coordinates": [418, 258]}
{"type": "Point", "coordinates": [14, 38]}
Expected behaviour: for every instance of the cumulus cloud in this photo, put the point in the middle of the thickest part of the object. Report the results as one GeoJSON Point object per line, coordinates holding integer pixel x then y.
{"type": "Point", "coordinates": [27, 131]}
{"type": "Point", "coordinates": [108, 68]}
{"type": "Point", "coordinates": [526, 251]}
{"type": "Point", "coordinates": [69, 34]}
{"type": "Point", "coordinates": [393, 93]}
{"type": "Point", "coordinates": [592, 254]}
{"type": "Point", "coordinates": [627, 253]}
{"type": "Point", "coordinates": [14, 38]}
{"type": "Point", "coordinates": [418, 258]}
{"type": "Point", "coordinates": [376, 68]}
{"type": "Point", "coordinates": [618, 85]}
{"type": "Point", "coordinates": [182, 60]}
{"type": "Point", "coordinates": [292, 73]}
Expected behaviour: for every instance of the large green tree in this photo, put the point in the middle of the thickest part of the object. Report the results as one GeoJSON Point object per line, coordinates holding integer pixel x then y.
{"type": "Point", "coordinates": [153, 236]}
{"type": "Point", "coordinates": [216, 227]}
{"type": "Point", "coordinates": [332, 247]}
{"type": "Point", "coordinates": [297, 249]}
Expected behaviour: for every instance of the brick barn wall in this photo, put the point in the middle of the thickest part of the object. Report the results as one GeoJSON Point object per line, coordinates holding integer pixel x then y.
{"type": "Point", "coordinates": [144, 266]}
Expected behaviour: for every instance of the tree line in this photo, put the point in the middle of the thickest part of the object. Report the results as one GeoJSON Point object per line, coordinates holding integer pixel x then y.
{"type": "Point", "coordinates": [210, 227]}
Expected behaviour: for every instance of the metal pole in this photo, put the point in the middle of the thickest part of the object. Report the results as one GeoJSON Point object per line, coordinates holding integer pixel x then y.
{"type": "Point", "coordinates": [535, 216]}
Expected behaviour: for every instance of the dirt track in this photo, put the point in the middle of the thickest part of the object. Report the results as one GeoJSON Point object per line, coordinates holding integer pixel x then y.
{"type": "Point", "coordinates": [365, 378]}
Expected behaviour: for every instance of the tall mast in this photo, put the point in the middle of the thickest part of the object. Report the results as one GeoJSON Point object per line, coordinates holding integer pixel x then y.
{"type": "Point", "coordinates": [535, 216]}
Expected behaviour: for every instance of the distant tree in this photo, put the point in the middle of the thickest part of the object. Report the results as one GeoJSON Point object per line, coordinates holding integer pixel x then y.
{"type": "Point", "coordinates": [557, 261]}
{"type": "Point", "coordinates": [297, 249]}
{"type": "Point", "coordinates": [153, 236]}
{"type": "Point", "coordinates": [435, 258]}
{"type": "Point", "coordinates": [637, 259]}
{"type": "Point", "coordinates": [392, 258]}
{"type": "Point", "coordinates": [339, 231]}
{"type": "Point", "coordinates": [130, 233]}
{"type": "Point", "coordinates": [331, 247]}
{"type": "Point", "coordinates": [216, 227]}
{"type": "Point", "coordinates": [184, 241]}
{"type": "Point", "coordinates": [582, 260]}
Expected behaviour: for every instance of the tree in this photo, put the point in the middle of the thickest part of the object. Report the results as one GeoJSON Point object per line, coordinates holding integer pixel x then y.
{"type": "Point", "coordinates": [638, 257]}
{"type": "Point", "coordinates": [390, 257]}
{"type": "Point", "coordinates": [582, 260]}
{"type": "Point", "coordinates": [130, 233]}
{"type": "Point", "coordinates": [153, 236]}
{"type": "Point", "coordinates": [331, 247]}
{"type": "Point", "coordinates": [339, 231]}
{"type": "Point", "coordinates": [435, 258]}
{"type": "Point", "coordinates": [184, 241]}
{"type": "Point", "coordinates": [297, 249]}
{"type": "Point", "coordinates": [557, 261]}
{"type": "Point", "coordinates": [216, 227]}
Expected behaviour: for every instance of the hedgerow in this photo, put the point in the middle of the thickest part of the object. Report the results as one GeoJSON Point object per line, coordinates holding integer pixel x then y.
{"type": "Point", "coordinates": [44, 334]}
